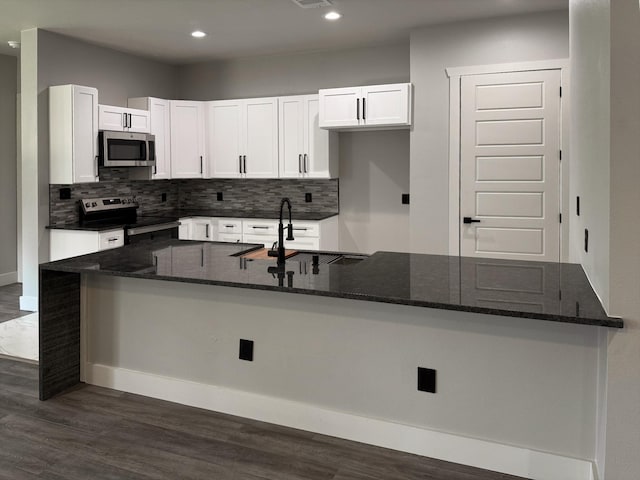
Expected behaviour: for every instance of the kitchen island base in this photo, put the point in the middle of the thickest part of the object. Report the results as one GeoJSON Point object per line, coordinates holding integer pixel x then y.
{"type": "Point", "coordinates": [513, 395]}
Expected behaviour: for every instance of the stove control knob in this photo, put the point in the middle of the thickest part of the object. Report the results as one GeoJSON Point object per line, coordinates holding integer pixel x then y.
{"type": "Point", "coordinates": [87, 204]}
{"type": "Point", "coordinates": [94, 204]}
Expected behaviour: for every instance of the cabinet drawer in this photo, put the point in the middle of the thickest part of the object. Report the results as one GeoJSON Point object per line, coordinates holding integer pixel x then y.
{"type": "Point", "coordinates": [111, 239]}
{"type": "Point", "coordinates": [266, 240]}
{"type": "Point", "coordinates": [229, 225]}
{"type": "Point", "coordinates": [303, 244]}
{"type": "Point", "coordinates": [260, 227]}
{"type": "Point", "coordinates": [230, 237]}
{"type": "Point", "coordinates": [306, 229]}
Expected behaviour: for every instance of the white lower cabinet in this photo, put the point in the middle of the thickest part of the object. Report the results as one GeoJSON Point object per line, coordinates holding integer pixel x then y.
{"type": "Point", "coordinates": [71, 243]}
{"type": "Point", "coordinates": [309, 235]}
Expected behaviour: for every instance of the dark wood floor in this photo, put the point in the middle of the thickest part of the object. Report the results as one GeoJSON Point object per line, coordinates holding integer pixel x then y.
{"type": "Point", "coordinates": [10, 302]}
{"type": "Point", "coordinates": [95, 433]}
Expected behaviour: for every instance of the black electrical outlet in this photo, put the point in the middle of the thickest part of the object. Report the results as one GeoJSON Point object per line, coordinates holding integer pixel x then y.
{"type": "Point", "coordinates": [405, 199]}
{"type": "Point", "coordinates": [65, 193]}
{"type": "Point", "coordinates": [578, 205]}
{"type": "Point", "coordinates": [307, 197]}
{"type": "Point", "coordinates": [246, 350]}
{"type": "Point", "coordinates": [164, 197]}
{"type": "Point", "coordinates": [426, 380]}
{"type": "Point", "coordinates": [219, 196]}
{"type": "Point", "coordinates": [586, 240]}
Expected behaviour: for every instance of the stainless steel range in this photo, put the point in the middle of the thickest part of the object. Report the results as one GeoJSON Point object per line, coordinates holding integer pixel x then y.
{"type": "Point", "coordinates": [122, 212]}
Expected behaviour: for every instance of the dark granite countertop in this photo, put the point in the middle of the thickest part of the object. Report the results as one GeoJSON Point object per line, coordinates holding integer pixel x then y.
{"type": "Point", "coordinates": [173, 216]}
{"type": "Point", "coordinates": [557, 292]}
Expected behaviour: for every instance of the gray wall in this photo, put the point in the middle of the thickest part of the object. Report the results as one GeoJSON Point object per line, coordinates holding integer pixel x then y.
{"type": "Point", "coordinates": [433, 49]}
{"type": "Point", "coordinates": [293, 74]}
{"type": "Point", "coordinates": [623, 392]}
{"type": "Point", "coordinates": [374, 173]}
{"type": "Point", "coordinates": [54, 59]}
{"type": "Point", "coordinates": [8, 163]}
{"type": "Point", "coordinates": [363, 356]}
{"type": "Point", "coordinates": [374, 167]}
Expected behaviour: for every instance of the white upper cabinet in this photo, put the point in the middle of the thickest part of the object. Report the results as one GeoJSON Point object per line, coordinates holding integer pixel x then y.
{"type": "Point", "coordinates": [187, 139]}
{"type": "Point", "coordinates": [306, 150]}
{"type": "Point", "coordinates": [224, 138]}
{"type": "Point", "coordinates": [243, 138]}
{"type": "Point", "coordinates": [73, 134]}
{"type": "Point", "coordinates": [121, 119]}
{"type": "Point", "coordinates": [376, 106]}
{"type": "Point", "coordinates": [160, 127]}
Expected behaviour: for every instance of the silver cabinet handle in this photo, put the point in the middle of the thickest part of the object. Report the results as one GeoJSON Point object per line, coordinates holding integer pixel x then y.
{"type": "Point", "coordinates": [206, 233]}
{"type": "Point", "coordinates": [201, 165]}
{"type": "Point", "coordinates": [114, 239]}
{"type": "Point", "coordinates": [240, 163]}
{"type": "Point", "coordinates": [244, 161]}
{"type": "Point", "coordinates": [302, 229]}
{"type": "Point", "coordinates": [124, 124]}
{"type": "Point", "coordinates": [130, 122]}
{"type": "Point", "coordinates": [300, 163]}
{"type": "Point", "coordinates": [259, 227]}
{"type": "Point", "coordinates": [228, 226]}
{"type": "Point", "coordinates": [95, 166]}
{"type": "Point", "coordinates": [306, 163]}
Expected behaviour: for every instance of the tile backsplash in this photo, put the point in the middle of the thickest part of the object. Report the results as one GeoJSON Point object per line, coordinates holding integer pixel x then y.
{"type": "Point", "coordinates": [254, 194]}
{"type": "Point", "coordinates": [195, 194]}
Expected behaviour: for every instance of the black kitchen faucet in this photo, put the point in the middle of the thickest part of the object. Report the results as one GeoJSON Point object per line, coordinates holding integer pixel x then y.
{"type": "Point", "coordinates": [280, 252]}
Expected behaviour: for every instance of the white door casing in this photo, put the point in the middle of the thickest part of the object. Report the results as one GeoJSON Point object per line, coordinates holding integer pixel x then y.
{"type": "Point", "coordinates": [510, 165]}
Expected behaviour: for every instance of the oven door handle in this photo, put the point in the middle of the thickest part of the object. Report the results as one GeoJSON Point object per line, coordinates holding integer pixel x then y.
{"type": "Point", "coordinates": [152, 228]}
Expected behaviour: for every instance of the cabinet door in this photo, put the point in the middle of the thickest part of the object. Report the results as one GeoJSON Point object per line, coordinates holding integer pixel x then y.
{"type": "Point", "coordinates": [224, 127]}
{"type": "Point", "coordinates": [184, 230]}
{"type": "Point", "coordinates": [201, 229]}
{"type": "Point", "coordinates": [291, 136]}
{"type": "Point", "coordinates": [339, 107]}
{"type": "Point", "coordinates": [386, 104]}
{"type": "Point", "coordinates": [111, 118]}
{"type": "Point", "coordinates": [161, 128]}
{"type": "Point", "coordinates": [261, 138]}
{"type": "Point", "coordinates": [187, 139]}
{"type": "Point", "coordinates": [139, 121]}
{"type": "Point", "coordinates": [85, 134]}
{"type": "Point", "coordinates": [316, 158]}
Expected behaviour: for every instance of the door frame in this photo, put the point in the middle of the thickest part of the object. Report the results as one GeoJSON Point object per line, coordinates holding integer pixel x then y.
{"type": "Point", "coordinates": [455, 75]}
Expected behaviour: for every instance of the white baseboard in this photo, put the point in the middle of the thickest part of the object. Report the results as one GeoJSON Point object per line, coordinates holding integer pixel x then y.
{"type": "Point", "coordinates": [30, 304]}
{"type": "Point", "coordinates": [8, 278]}
{"type": "Point", "coordinates": [453, 448]}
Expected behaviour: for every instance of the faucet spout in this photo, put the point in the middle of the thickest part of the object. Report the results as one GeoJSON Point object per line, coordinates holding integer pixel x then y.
{"type": "Point", "coordinates": [281, 254]}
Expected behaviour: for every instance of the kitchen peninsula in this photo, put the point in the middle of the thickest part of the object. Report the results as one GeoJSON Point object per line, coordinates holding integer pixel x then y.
{"type": "Point", "coordinates": [516, 345]}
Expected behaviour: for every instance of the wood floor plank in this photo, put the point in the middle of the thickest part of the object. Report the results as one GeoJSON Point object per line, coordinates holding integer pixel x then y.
{"type": "Point", "coordinates": [101, 434]}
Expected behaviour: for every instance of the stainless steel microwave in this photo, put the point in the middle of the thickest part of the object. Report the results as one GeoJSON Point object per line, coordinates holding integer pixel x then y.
{"type": "Point", "coordinates": [126, 149]}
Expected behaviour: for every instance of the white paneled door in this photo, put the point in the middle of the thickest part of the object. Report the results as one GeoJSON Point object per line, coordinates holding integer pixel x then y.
{"type": "Point", "coordinates": [510, 165]}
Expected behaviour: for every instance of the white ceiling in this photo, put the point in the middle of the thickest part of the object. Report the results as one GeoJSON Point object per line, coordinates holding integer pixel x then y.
{"type": "Point", "coordinates": [161, 29]}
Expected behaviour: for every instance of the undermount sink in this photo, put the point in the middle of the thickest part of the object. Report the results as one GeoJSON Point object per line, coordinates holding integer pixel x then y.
{"type": "Point", "coordinates": [323, 258]}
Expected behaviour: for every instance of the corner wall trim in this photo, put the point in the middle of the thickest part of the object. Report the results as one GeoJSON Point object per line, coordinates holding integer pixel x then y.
{"type": "Point", "coordinates": [444, 446]}
{"type": "Point", "coordinates": [8, 278]}
{"type": "Point", "coordinates": [30, 304]}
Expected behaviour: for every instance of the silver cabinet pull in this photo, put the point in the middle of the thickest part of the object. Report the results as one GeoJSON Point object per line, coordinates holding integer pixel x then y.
{"type": "Point", "coordinates": [206, 233]}
{"type": "Point", "coordinates": [244, 160]}
{"type": "Point", "coordinates": [306, 163]}
{"type": "Point", "coordinates": [300, 163]}
{"type": "Point", "coordinates": [124, 123]}
{"type": "Point", "coordinates": [240, 163]}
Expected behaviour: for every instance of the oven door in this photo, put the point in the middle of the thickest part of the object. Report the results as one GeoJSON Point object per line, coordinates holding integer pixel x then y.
{"type": "Point", "coordinates": [125, 149]}
{"type": "Point", "coordinates": [151, 232]}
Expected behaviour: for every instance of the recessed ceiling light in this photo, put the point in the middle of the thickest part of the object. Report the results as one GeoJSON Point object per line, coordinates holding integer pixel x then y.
{"type": "Point", "coordinates": [198, 34]}
{"type": "Point", "coordinates": [332, 16]}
